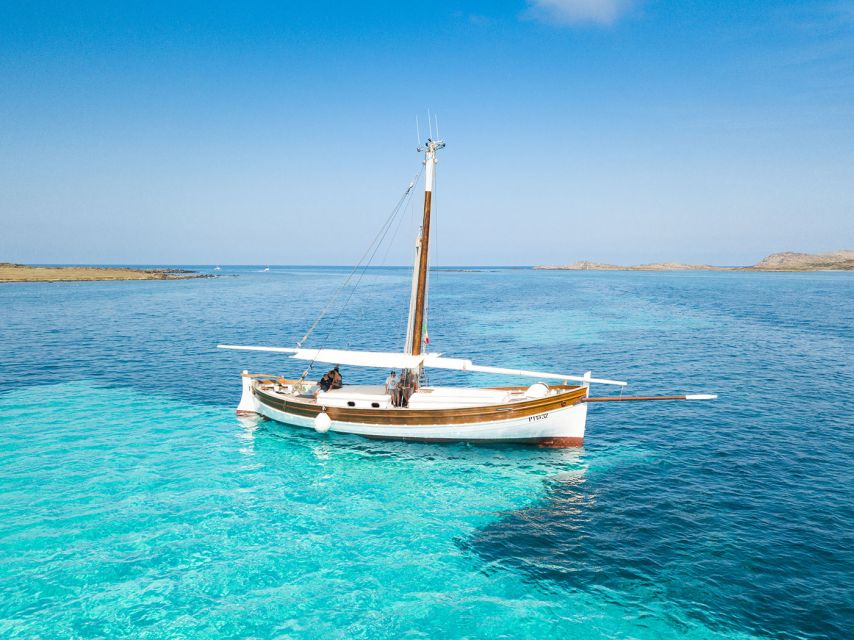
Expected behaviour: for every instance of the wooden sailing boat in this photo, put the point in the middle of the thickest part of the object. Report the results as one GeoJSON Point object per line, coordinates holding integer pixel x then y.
{"type": "Point", "coordinates": [550, 415]}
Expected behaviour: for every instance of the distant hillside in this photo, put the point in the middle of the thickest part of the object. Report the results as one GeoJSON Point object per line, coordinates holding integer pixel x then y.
{"type": "Point", "coordinates": [789, 261]}
{"type": "Point", "coordinates": [842, 260]}
{"type": "Point", "coordinates": [585, 265]}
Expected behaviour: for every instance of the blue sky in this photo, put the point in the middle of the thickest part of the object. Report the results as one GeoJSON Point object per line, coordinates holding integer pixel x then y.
{"type": "Point", "coordinates": [283, 133]}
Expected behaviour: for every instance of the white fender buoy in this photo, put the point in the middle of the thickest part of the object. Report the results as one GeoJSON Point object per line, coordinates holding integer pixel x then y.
{"type": "Point", "coordinates": [322, 422]}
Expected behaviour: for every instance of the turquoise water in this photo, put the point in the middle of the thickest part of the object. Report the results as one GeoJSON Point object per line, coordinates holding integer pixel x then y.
{"type": "Point", "coordinates": [134, 503]}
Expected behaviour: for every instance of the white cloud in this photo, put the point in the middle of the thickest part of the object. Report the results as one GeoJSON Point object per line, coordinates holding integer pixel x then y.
{"type": "Point", "coordinates": [603, 12]}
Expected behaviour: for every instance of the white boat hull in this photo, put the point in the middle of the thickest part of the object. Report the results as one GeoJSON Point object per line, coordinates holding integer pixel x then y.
{"type": "Point", "coordinates": [562, 426]}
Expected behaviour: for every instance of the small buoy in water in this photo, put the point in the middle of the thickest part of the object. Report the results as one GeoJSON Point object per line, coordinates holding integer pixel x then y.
{"type": "Point", "coordinates": [322, 423]}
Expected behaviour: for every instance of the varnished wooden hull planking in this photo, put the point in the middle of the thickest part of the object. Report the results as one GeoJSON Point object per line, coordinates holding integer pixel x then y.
{"type": "Point", "coordinates": [466, 415]}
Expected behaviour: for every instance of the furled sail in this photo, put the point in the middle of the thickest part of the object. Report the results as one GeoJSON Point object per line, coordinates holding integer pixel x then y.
{"type": "Point", "coordinates": [393, 360]}
{"type": "Point", "coordinates": [378, 359]}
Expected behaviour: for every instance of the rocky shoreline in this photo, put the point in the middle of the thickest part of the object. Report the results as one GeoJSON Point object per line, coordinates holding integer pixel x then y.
{"type": "Point", "coordinates": [842, 260]}
{"type": "Point", "coordinates": [10, 272]}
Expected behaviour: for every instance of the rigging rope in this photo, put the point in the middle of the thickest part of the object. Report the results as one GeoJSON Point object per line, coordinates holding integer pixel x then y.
{"type": "Point", "coordinates": [372, 249]}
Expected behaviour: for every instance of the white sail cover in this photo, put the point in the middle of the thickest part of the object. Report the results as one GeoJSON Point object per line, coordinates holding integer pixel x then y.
{"type": "Point", "coordinates": [393, 360]}
{"type": "Point", "coordinates": [379, 359]}
{"type": "Point", "coordinates": [467, 365]}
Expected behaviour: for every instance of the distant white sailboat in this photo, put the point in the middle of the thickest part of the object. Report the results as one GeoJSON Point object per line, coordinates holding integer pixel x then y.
{"type": "Point", "coordinates": [541, 413]}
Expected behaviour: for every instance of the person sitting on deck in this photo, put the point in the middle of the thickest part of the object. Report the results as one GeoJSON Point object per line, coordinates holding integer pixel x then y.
{"type": "Point", "coordinates": [325, 382]}
{"type": "Point", "coordinates": [336, 378]}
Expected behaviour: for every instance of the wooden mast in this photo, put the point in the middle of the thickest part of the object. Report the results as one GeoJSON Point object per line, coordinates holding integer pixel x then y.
{"type": "Point", "coordinates": [420, 282]}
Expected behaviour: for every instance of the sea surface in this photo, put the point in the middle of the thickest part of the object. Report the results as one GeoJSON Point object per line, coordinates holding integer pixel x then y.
{"type": "Point", "coordinates": [134, 503]}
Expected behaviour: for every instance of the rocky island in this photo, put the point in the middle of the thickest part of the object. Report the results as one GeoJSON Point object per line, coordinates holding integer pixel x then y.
{"type": "Point", "coordinates": [25, 273]}
{"type": "Point", "coordinates": [842, 260]}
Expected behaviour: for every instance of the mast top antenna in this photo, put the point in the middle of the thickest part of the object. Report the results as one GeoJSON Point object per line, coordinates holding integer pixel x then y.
{"type": "Point", "coordinates": [431, 145]}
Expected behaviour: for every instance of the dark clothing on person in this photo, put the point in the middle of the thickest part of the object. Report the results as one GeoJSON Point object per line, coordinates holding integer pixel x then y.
{"type": "Point", "coordinates": [331, 380]}
{"type": "Point", "coordinates": [325, 382]}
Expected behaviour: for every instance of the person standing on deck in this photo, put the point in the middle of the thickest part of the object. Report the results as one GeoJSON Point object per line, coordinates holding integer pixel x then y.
{"type": "Point", "coordinates": [391, 387]}
{"type": "Point", "coordinates": [405, 388]}
{"type": "Point", "coordinates": [400, 395]}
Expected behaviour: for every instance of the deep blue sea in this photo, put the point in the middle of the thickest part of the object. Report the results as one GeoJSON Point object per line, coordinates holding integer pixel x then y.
{"type": "Point", "coordinates": [135, 504]}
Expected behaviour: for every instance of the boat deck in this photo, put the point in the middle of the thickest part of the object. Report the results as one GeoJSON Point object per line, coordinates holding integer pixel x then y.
{"type": "Point", "coordinates": [426, 398]}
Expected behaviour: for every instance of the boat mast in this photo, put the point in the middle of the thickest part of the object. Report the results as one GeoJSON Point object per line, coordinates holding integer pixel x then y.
{"type": "Point", "coordinates": [419, 280]}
